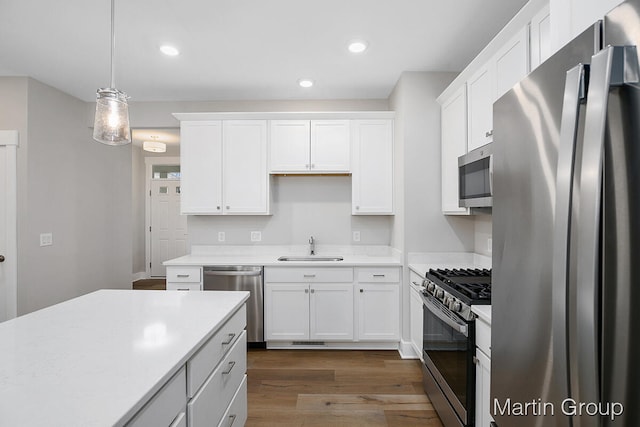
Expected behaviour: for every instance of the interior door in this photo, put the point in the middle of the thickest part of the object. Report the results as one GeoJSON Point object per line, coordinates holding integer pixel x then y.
{"type": "Point", "coordinates": [8, 225]}
{"type": "Point", "coordinates": [168, 226]}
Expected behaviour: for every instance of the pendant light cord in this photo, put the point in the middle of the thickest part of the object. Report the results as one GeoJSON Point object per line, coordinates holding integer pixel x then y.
{"type": "Point", "coordinates": [113, 43]}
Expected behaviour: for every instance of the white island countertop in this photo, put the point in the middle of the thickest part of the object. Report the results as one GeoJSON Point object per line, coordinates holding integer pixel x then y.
{"type": "Point", "coordinates": [97, 359]}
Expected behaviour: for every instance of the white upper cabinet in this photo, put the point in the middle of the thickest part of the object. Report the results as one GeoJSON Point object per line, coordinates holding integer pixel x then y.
{"type": "Point", "coordinates": [454, 145]}
{"type": "Point", "coordinates": [512, 62]}
{"type": "Point", "coordinates": [480, 96]}
{"type": "Point", "coordinates": [330, 146]}
{"type": "Point", "coordinates": [540, 46]}
{"type": "Point", "coordinates": [224, 167]}
{"type": "Point", "coordinates": [372, 167]}
{"type": "Point", "coordinates": [201, 167]}
{"type": "Point", "coordinates": [312, 146]}
{"type": "Point", "coordinates": [245, 177]}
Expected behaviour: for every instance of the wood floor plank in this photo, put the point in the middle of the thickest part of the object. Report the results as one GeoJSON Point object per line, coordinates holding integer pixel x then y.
{"type": "Point", "coordinates": [348, 402]}
{"type": "Point", "coordinates": [335, 387]}
{"type": "Point", "coordinates": [412, 418]}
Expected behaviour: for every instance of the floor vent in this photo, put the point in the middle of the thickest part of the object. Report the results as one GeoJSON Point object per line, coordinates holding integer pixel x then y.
{"type": "Point", "coordinates": [308, 343]}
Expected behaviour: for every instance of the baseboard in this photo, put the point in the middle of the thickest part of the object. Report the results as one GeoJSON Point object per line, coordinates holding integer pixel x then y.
{"type": "Point", "coordinates": [328, 345]}
{"type": "Point", "coordinates": [140, 276]}
{"type": "Point", "coordinates": [407, 351]}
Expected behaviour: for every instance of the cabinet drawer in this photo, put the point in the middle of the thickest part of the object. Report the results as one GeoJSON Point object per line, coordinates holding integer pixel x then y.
{"type": "Point", "coordinates": [382, 274]}
{"type": "Point", "coordinates": [183, 286]}
{"type": "Point", "coordinates": [415, 279]}
{"type": "Point", "coordinates": [165, 406]}
{"type": "Point", "coordinates": [207, 358]}
{"type": "Point", "coordinates": [236, 414]}
{"type": "Point", "coordinates": [308, 275]}
{"type": "Point", "coordinates": [213, 398]}
{"type": "Point", "coordinates": [184, 274]}
{"type": "Point", "coordinates": [483, 336]}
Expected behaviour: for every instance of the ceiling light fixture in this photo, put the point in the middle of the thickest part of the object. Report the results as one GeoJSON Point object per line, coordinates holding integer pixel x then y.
{"type": "Point", "coordinates": [306, 83]}
{"type": "Point", "coordinates": [154, 146]}
{"type": "Point", "coordinates": [111, 125]}
{"type": "Point", "coordinates": [357, 46]}
{"type": "Point", "coordinates": [169, 50]}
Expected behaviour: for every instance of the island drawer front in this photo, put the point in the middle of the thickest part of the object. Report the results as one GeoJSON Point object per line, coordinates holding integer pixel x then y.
{"type": "Point", "coordinates": [308, 274]}
{"type": "Point", "coordinates": [380, 274]}
{"type": "Point", "coordinates": [184, 287]}
{"type": "Point", "coordinates": [236, 414]}
{"type": "Point", "coordinates": [164, 407]}
{"type": "Point", "coordinates": [200, 366]}
{"type": "Point", "coordinates": [184, 274]}
{"type": "Point", "coordinates": [213, 398]}
{"type": "Point", "coordinates": [483, 336]}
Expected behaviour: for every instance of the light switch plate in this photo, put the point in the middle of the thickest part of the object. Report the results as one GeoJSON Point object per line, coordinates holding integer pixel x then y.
{"type": "Point", "coordinates": [46, 239]}
{"type": "Point", "coordinates": [356, 236]}
{"type": "Point", "coordinates": [256, 236]}
{"type": "Point", "coordinates": [221, 236]}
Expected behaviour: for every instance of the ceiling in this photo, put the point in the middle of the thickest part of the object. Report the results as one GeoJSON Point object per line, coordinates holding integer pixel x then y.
{"type": "Point", "coordinates": [243, 49]}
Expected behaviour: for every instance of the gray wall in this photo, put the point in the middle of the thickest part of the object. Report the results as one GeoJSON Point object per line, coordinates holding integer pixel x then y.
{"type": "Point", "coordinates": [483, 231]}
{"type": "Point", "coordinates": [70, 186]}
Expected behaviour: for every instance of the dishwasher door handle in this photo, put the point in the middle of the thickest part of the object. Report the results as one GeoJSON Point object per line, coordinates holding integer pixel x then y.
{"type": "Point", "coordinates": [233, 273]}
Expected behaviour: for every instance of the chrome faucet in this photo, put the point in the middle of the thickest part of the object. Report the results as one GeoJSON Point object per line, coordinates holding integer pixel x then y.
{"type": "Point", "coordinates": [312, 246]}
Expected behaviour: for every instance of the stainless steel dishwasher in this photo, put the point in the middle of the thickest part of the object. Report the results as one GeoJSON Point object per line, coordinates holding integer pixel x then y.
{"type": "Point", "coordinates": [241, 278]}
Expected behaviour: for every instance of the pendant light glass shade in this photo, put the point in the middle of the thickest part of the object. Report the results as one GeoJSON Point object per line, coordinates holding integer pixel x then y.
{"type": "Point", "coordinates": [111, 125]}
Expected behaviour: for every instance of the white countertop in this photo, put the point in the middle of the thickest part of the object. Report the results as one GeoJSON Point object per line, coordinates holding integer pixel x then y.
{"type": "Point", "coordinates": [95, 360]}
{"type": "Point", "coordinates": [268, 256]}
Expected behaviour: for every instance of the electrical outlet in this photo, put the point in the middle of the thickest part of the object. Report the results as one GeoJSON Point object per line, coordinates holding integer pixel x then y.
{"type": "Point", "coordinates": [256, 236]}
{"type": "Point", "coordinates": [489, 244]}
{"type": "Point", "coordinates": [221, 236]}
{"type": "Point", "coordinates": [356, 236]}
{"type": "Point", "coordinates": [46, 239]}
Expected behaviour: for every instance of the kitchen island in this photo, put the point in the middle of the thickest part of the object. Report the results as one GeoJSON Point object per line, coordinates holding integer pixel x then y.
{"type": "Point", "coordinates": [116, 357]}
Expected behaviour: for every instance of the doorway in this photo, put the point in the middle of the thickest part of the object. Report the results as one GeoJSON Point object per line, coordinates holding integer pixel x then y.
{"type": "Point", "coordinates": [168, 229]}
{"type": "Point", "coordinates": [8, 225]}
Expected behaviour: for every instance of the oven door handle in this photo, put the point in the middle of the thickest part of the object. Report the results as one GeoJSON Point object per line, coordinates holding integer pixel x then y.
{"type": "Point", "coordinates": [458, 327]}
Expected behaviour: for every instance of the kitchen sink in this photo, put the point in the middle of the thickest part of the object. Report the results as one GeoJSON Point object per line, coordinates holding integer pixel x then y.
{"type": "Point", "coordinates": [310, 258]}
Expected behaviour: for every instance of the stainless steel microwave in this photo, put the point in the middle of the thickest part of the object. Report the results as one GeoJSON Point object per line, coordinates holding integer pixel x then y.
{"type": "Point", "coordinates": [475, 178]}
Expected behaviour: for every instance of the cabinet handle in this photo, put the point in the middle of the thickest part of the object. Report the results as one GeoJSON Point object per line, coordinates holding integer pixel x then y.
{"type": "Point", "coordinates": [361, 290]}
{"type": "Point", "coordinates": [313, 166]}
{"type": "Point", "coordinates": [232, 419]}
{"type": "Point", "coordinates": [475, 360]}
{"type": "Point", "coordinates": [306, 291]}
{"type": "Point", "coordinates": [230, 338]}
{"type": "Point", "coordinates": [307, 166]}
{"type": "Point", "coordinates": [182, 289]}
{"type": "Point", "coordinates": [228, 371]}
{"type": "Point", "coordinates": [227, 207]}
{"type": "Point", "coordinates": [357, 207]}
{"type": "Point", "coordinates": [218, 207]}
{"type": "Point", "coordinates": [488, 134]}
{"type": "Point", "coordinates": [310, 275]}
{"type": "Point", "coordinates": [313, 291]}
{"type": "Point", "coordinates": [378, 275]}
{"type": "Point", "coordinates": [183, 275]}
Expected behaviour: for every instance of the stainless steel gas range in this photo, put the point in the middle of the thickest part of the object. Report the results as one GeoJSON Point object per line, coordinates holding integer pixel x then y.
{"type": "Point", "coordinates": [449, 340]}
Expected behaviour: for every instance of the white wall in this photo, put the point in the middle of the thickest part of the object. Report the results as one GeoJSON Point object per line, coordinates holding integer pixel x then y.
{"type": "Point", "coordinates": [483, 230]}
{"type": "Point", "coordinates": [70, 186]}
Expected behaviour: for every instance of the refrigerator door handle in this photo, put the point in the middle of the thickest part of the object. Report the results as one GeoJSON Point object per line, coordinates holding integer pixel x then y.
{"type": "Point", "coordinates": [574, 96]}
{"type": "Point", "coordinates": [613, 66]}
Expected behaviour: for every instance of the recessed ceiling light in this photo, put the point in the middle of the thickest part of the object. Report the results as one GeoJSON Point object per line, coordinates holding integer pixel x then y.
{"type": "Point", "coordinates": [169, 50]}
{"type": "Point", "coordinates": [357, 46]}
{"type": "Point", "coordinates": [305, 82]}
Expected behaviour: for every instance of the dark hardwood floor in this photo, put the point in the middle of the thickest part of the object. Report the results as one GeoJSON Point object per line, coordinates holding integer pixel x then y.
{"type": "Point", "coordinates": [336, 388]}
{"type": "Point", "coordinates": [150, 284]}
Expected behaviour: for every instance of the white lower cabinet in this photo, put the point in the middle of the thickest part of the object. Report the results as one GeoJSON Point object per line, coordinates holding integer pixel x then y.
{"type": "Point", "coordinates": [319, 311]}
{"type": "Point", "coordinates": [416, 320]}
{"type": "Point", "coordinates": [378, 304]}
{"type": "Point", "coordinates": [236, 414]}
{"type": "Point", "coordinates": [483, 373]}
{"type": "Point", "coordinates": [184, 278]}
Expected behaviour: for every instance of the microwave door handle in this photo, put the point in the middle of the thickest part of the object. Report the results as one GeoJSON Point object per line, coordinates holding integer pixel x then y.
{"type": "Point", "coordinates": [613, 66]}
{"type": "Point", "coordinates": [574, 96]}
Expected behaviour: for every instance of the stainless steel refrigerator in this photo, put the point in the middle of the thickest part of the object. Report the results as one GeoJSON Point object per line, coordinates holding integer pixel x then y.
{"type": "Point", "coordinates": [566, 224]}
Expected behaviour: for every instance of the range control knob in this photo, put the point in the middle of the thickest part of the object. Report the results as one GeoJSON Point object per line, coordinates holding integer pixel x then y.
{"type": "Point", "coordinates": [431, 287]}
{"type": "Point", "coordinates": [456, 307]}
{"type": "Point", "coordinates": [440, 294]}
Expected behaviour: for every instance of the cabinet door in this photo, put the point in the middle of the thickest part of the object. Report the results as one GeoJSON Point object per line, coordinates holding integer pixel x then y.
{"type": "Point", "coordinates": [540, 47]}
{"type": "Point", "coordinates": [378, 312]}
{"type": "Point", "coordinates": [331, 311]}
{"type": "Point", "coordinates": [201, 167]}
{"type": "Point", "coordinates": [286, 311]}
{"type": "Point", "coordinates": [512, 62]}
{"type": "Point", "coordinates": [372, 167]}
{"type": "Point", "coordinates": [415, 309]}
{"type": "Point", "coordinates": [330, 146]}
{"type": "Point", "coordinates": [454, 145]}
{"type": "Point", "coordinates": [480, 93]}
{"type": "Point", "coordinates": [290, 145]}
{"type": "Point", "coordinates": [483, 386]}
{"type": "Point", "coordinates": [245, 176]}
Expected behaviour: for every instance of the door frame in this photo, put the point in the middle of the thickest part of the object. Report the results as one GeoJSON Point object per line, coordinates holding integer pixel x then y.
{"type": "Point", "coordinates": [9, 139]}
{"type": "Point", "coordinates": [149, 163]}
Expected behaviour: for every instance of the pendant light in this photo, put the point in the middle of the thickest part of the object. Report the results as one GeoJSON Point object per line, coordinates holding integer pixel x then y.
{"type": "Point", "coordinates": [111, 125]}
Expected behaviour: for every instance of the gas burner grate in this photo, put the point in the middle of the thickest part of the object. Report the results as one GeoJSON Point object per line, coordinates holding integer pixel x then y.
{"type": "Point", "coordinates": [471, 285]}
